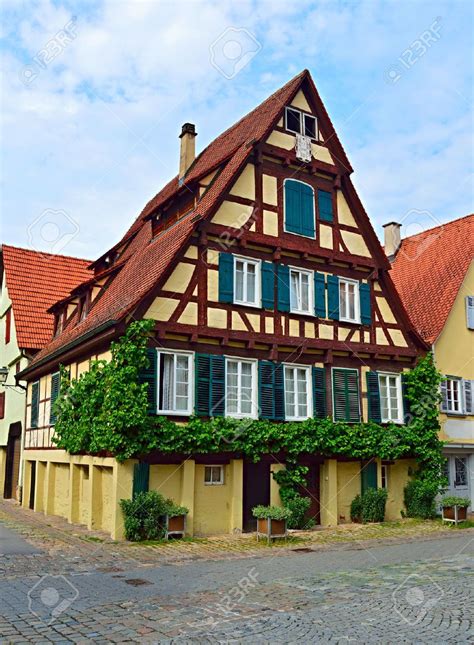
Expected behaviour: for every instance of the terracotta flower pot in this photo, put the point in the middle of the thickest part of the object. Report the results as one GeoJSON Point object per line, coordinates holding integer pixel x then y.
{"type": "Point", "coordinates": [176, 523]}
{"type": "Point", "coordinates": [448, 513]}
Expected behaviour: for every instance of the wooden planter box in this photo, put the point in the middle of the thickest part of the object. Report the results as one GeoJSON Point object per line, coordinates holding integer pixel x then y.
{"type": "Point", "coordinates": [175, 526]}
{"type": "Point", "coordinates": [270, 529]}
{"type": "Point", "coordinates": [455, 514]}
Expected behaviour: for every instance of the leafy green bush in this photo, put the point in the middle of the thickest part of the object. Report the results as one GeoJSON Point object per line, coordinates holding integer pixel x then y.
{"type": "Point", "coordinates": [419, 497]}
{"type": "Point", "coordinates": [455, 501]}
{"type": "Point", "coordinates": [173, 509]}
{"type": "Point", "coordinates": [369, 507]}
{"type": "Point", "coordinates": [373, 505]}
{"type": "Point", "coordinates": [272, 512]}
{"type": "Point", "coordinates": [144, 516]}
{"type": "Point", "coordinates": [356, 509]}
{"type": "Point", "coordinates": [298, 506]}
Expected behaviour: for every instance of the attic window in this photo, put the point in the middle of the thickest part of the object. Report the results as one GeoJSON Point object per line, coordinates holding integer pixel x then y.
{"type": "Point", "coordinates": [83, 308]}
{"type": "Point", "coordinates": [58, 323]}
{"type": "Point", "coordinates": [301, 123]}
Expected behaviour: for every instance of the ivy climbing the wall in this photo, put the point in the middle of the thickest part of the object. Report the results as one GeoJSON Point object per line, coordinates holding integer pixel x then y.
{"type": "Point", "coordinates": [105, 412]}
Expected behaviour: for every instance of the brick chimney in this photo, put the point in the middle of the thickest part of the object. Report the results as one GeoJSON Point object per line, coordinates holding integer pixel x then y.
{"type": "Point", "coordinates": [392, 239]}
{"type": "Point", "coordinates": [188, 148]}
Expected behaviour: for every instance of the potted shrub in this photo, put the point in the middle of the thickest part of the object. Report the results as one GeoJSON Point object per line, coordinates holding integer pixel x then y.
{"type": "Point", "coordinates": [455, 508]}
{"type": "Point", "coordinates": [271, 521]}
{"type": "Point", "coordinates": [175, 520]}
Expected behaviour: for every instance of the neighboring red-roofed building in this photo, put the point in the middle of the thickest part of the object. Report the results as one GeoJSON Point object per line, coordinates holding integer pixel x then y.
{"type": "Point", "coordinates": [271, 298]}
{"type": "Point", "coordinates": [434, 275]}
{"type": "Point", "coordinates": [31, 283]}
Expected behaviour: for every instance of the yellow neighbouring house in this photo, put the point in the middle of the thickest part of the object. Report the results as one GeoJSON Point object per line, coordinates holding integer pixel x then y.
{"type": "Point", "coordinates": [434, 274]}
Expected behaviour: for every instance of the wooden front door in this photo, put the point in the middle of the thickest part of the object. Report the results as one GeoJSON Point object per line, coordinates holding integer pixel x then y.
{"type": "Point", "coordinates": [12, 469]}
{"type": "Point", "coordinates": [311, 490]}
{"type": "Point", "coordinates": [256, 491]}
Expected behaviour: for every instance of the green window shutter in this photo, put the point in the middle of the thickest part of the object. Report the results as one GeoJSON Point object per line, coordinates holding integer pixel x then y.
{"type": "Point", "coordinates": [326, 213]}
{"type": "Point", "coordinates": [320, 295]}
{"type": "Point", "coordinates": [406, 403]}
{"type": "Point", "coordinates": [271, 390]}
{"type": "Point", "coordinates": [202, 384]}
{"type": "Point", "coordinates": [268, 285]}
{"type": "Point", "coordinates": [226, 277]}
{"type": "Point", "coordinates": [373, 397]}
{"type": "Point", "coordinates": [141, 478]}
{"type": "Point", "coordinates": [368, 476]}
{"type": "Point", "coordinates": [283, 288]}
{"type": "Point", "coordinates": [346, 395]}
{"type": "Point", "coordinates": [365, 305]}
{"type": "Point", "coordinates": [217, 386]}
{"type": "Point", "coordinates": [299, 208]}
{"type": "Point", "coordinates": [55, 382]}
{"type": "Point", "coordinates": [148, 375]}
{"type": "Point", "coordinates": [319, 392]}
{"type": "Point", "coordinates": [34, 404]}
{"type": "Point", "coordinates": [333, 297]}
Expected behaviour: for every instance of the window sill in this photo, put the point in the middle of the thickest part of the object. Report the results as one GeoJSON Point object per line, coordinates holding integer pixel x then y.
{"type": "Point", "coordinates": [309, 314]}
{"type": "Point", "coordinates": [172, 413]}
{"type": "Point", "coordinates": [248, 304]}
{"type": "Point", "coordinates": [346, 321]}
{"type": "Point", "coordinates": [307, 237]}
{"type": "Point", "coordinates": [455, 414]}
{"type": "Point", "coordinates": [297, 418]}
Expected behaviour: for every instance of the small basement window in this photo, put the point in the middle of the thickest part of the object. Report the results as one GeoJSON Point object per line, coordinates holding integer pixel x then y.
{"type": "Point", "coordinates": [213, 475]}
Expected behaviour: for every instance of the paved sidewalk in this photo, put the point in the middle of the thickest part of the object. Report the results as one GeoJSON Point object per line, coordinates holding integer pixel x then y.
{"type": "Point", "coordinates": [12, 544]}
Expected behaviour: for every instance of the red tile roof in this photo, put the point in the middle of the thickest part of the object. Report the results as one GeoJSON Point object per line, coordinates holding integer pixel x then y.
{"type": "Point", "coordinates": [428, 271]}
{"type": "Point", "coordinates": [35, 281]}
{"type": "Point", "coordinates": [147, 259]}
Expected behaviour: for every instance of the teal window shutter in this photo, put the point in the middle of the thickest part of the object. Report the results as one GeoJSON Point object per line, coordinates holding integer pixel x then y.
{"type": "Point", "coordinates": [268, 285]}
{"type": "Point", "coordinates": [217, 386]}
{"type": "Point", "coordinates": [368, 476]}
{"type": "Point", "coordinates": [365, 305]}
{"type": "Point", "coordinates": [333, 297]}
{"type": "Point", "coordinates": [283, 288]}
{"type": "Point", "coordinates": [373, 397]}
{"type": "Point", "coordinates": [299, 208]}
{"type": "Point", "coordinates": [407, 413]}
{"type": "Point", "coordinates": [148, 375]}
{"type": "Point", "coordinates": [346, 395]}
{"type": "Point", "coordinates": [271, 390]}
{"type": "Point", "coordinates": [141, 478]}
{"type": "Point", "coordinates": [320, 295]}
{"type": "Point", "coordinates": [326, 213]}
{"type": "Point", "coordinates": [226, 277]}
{"type": "Point", "coordinates": [319, 392]}
{"type": "Point", "coordinates": [202, 384]}
{"type": "Point", "coordinates": [55, 381]}
{"type": "Point", "coordinates": [34, 404]}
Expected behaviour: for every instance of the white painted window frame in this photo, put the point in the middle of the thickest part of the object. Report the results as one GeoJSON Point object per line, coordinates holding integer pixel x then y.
{"type": "Point", "coordinates": [343, 283]}
{"type": "Point", "coordinates": [309, 385]}
{"type": "Point", "coordinates": [303, 115]}
{"type": "Point", "coordinates": [450, 381]}
{"type": "Point", "coordinates": [254, 364]}
{"type": "Point", "coordinates": [190, 357]}
{"type": "Point", "coordinates": [398, 377]}
{"type": "Point", "coordinates": [310, 274]}
{"type": "Point", "coordinates": [220, 481]}
{"type": "Point", "coordinates": [258, 281]}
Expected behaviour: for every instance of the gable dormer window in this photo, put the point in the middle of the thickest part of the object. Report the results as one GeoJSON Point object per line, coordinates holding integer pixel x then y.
{"type": "Point", "coordinates": [301, 123]}
{"type": "Point", "coordinates": [58, 323]}
{"type": "Point", "coordinates": [83, 307]}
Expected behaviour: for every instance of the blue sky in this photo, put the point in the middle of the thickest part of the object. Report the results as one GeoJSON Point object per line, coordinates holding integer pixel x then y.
{"type": "Point", "coordinates": [94, 95]}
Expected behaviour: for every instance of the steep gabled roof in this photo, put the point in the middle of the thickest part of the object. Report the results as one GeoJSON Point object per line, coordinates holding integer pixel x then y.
{"type": "Point", "coordinates": [428, 271]}
{"type": "Point", "coordinates": [145, 259]}
{"type": "Point", "coordinates": [35, 281]}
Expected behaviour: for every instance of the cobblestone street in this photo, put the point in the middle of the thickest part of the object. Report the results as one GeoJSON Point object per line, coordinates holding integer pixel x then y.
{"type": "Point", "coordinates": [70, 587]}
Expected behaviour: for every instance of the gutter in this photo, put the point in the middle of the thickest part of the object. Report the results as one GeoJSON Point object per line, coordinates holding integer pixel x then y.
{"type": "Point", "coordinates": [74, 343]}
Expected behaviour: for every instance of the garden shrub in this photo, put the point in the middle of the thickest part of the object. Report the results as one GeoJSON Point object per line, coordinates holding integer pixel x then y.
{"type": "Point", "coordinates": [419, 497]}
{"type": "Point", "coordinates": [272, 512]}
{"type": "Point", "coordinates": [369, 507]}
{"type": "Point", "coordinates": [144, 516]}
{"type": "Point", "coordinates": [451, 500]}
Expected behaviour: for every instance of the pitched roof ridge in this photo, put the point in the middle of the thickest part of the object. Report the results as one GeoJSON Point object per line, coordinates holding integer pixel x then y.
{"type": "Point", "coordinates": [434, 228]}
{"type": "Point", "coordinates": [43, 253]}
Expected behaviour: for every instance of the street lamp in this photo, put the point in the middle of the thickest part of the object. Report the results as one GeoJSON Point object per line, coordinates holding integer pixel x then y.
{"type": "Point", "coordinates": [3, 375]}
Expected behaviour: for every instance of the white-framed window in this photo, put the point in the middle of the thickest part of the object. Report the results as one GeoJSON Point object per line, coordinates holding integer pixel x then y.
{"type": "Point", "coordinates": [301, 291]}
{"type": "Point", "coordinates": [247, 281]}
{"type": "Point", "coordinates": [241, 388]}
{"type": "Point", "coordinates": [384, 476]}
{"type": "Point", "coordinates": [349, 304]}
{"type": "Point", "coordinates": [298, 399]}
{"type": "Point", "coordinates": [301, 123]}
{"type": "Point", "coordinates": [391, 401]}
{"type": "Point", "coordinates": [451, 390]}
{"type": "Point", "coordinates": [213, 475]}
{"type": "Point", "coordinates": [175, 377]}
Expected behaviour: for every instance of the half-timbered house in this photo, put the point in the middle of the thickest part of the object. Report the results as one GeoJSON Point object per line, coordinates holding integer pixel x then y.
{"type": "Point", "coordinates": [272, 299]}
